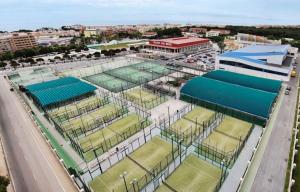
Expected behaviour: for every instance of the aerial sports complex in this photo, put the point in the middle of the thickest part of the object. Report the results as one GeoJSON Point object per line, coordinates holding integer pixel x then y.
{"type": "Point", "coordinates": [126, 124]}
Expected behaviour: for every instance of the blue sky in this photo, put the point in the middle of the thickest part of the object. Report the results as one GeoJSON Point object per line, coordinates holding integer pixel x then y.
{"type": "Point", "coordinates": [32, 14]}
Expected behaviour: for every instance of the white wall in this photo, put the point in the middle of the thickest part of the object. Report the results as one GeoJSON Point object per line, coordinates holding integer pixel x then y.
{"type": "Point", "coordinates": [252, 72]}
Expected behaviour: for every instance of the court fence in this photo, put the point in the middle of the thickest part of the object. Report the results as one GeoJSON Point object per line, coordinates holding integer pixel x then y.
{"type": "Point", "coordinates": [221, 156]}
{"type": "Point", "coordinates": [62, 114]}
{"type": "Point", "coordinates": [90, 126]}
{"type": "Point", "coordinates": [144, 103]}
{"type": "Point", "coordinates": [107, 143]}
{"type": "Point", "coordinates": [196, 131]}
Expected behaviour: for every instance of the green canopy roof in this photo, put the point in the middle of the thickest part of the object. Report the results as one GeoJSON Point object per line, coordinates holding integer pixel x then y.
{"type": "Point", "coordinates": [236, 97]}
{"type": "Point", "coordinates": [264, 84]}
{"type": "Point", "coordinates": [60, 90]}
{"type": "Point", "coordinates": [52, 84]}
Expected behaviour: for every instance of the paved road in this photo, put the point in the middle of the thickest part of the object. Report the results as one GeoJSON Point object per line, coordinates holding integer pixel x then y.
{"type": "Point", "coordinates": [271, 173]}
{"type": "Point", "coordinates": [33, 166]}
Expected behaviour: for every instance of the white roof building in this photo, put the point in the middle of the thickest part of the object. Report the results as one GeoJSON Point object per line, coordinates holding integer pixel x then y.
{"type": "Point", "coordinates": [269, 61]}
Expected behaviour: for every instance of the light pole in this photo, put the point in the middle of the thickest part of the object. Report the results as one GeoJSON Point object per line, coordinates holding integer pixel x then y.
{"type": "Point", "coordinates": [222, 169]}
{"type": "Point", "coordinates": [180, 142]}
{"type": "Point", "coordinates": [172, 138]}
{"type": "Point", "coordinates": [133, 182]}
{"type": "Point", "coordinates": [123, 176]}
{"type": "Point", "coordinates": [169, 116]}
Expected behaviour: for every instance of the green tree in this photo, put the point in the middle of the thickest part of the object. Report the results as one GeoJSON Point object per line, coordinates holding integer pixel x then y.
{"type": "Point", "coordinates": [97, 54]}
{"type": "Point", "coordinates": [2, 64]}
{"type": "Point", "coordinates": [6, 56]}
{"type": "Point", "coordinates": [39, 59]}
{"type": "Point", "coordinates": [4, 182]}
{"type": "Point", "coordinates": [221, 46]}
{"type": "Point", "coordinates": [14, 64]}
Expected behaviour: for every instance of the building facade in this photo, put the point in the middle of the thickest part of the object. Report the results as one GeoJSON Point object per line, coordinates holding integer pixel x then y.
{"type": "Point", "coordinates": [5, 45]}
{"type": "Point", "coordinates": [21, 41]}
{"type": "Point", "coordinates": [245, 40]}
{"type": "Point", "coordinates": [212, 33]}
{"type": "Point", "coordinates": [268, 61]}
{"type": "Point", "coordinates": [179, 45]}
{"type": "Point", "coordinates": [17, 41]}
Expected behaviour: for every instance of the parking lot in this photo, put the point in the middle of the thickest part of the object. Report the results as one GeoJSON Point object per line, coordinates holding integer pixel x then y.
{"type": "Point", "coordinates": [204, 59]}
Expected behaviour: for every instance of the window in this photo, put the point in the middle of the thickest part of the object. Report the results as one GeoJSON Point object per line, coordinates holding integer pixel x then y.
{"type": "Point", "coordinates": [237, 64]}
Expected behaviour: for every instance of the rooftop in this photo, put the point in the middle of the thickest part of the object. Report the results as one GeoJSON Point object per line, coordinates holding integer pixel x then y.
{"type": "Point", "coordinates": [264, 49]}
{"type": "Point", "coordinates": [182, 40]}
{"type": "Point", "coordinates": [251, 53]}
{"type": "Point", "coordinates": [232, 96]}
{"type": "Point", "coordinates": [258, 83]}
{"type": "Point", "coordinates": [57, 91]}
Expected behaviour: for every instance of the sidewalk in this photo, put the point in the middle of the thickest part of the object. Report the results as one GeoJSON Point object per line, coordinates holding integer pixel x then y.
{"type": "Point", "coordinates": [4, 170]}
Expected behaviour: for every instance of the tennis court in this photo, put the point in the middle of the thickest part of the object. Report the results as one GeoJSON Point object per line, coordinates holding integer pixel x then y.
{"type": "Point", "coordinates": [199, 114]}
{"type": "Point", "coordinates": [234, 128]}
{"type": "Point", "coordinates": [190, 125]}
{"type": "Point", "coordinates": [132, 75]}
{"type": "Point", "coordinates": [226, 136]}
{"type": "Point", "coordinates": [151, 67]}
{"type": "Point", "coordinates": [77, 108]}
{"type": "Point", "coordinates": [94, 118]}
{"type": "Point", "coordinates": [222, 143]}
{"type": "Point", "coordinates": [111, 135]}
{"type": "Point", "coordinates": [193, 175]}
{"type": "Point", "coordinates": [144, 98]}
{"type": "Point", "coordinates": [109, 82]}
{"type": "Point", "coordinates": [136, 166]}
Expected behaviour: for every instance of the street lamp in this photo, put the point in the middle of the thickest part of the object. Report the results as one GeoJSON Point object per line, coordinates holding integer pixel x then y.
{"type": "Point", "coordinates": [123, 176]}
{"type": "Point", "coordinates": [133, 182]}
{"type": "Point", "coordinates": [180, 142]}
{"type": "Point", "coordinates": [172, 138]}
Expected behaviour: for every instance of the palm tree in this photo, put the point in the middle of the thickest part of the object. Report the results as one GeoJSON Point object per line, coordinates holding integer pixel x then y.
{"type": "Point", "coordinates": [221, 46]}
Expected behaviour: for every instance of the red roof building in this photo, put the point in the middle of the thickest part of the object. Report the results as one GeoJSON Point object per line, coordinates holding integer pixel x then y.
{"type": "Point", "coordinates": [179, 45]}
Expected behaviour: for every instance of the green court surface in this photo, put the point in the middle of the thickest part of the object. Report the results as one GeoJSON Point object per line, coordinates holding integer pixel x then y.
{"type": "Point", "coordinates": [92, 119]}
{"type": "Point", "coordinates": [111, 135]}
{"type": "Point", "coordinates": [199, 114]}
{"type": "Point", "coordinates": [140, 94]}
{"type": "Point", "coordinates": [221, 143]}
{"type": "Point", "coordinates": [193, 175]}
{"type": "Point", "coordinates": [122, 71]}
{"type": "Point", "coordinates": [144, 98]}
{"type": "Point", "coordinates": [183, 125]}
{"type": "Point", "coordinates": [109, 82]}
{"type": "Point", "coordinates": [151, 67]}
{"type": "Point", "coordinates": [68, 111]}
{"type": "Point", "coordinates": [145, 65]}
{"type": "Point", "coordinates": [111, 180]}
{"type": "Point", "coordinates": [131, 74]}
{"type": "Point", "coordinates": [152, 153]}
{"type": "Point", "coordinates": [148, 155]}
{"type": "Point", "coordinates": [234, 128]}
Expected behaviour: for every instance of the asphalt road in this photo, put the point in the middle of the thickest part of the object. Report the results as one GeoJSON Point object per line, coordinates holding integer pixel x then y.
{"type": "Point", "coordinates": [32, 165]}
{"type": "Point", "coordinates": [271, 173]}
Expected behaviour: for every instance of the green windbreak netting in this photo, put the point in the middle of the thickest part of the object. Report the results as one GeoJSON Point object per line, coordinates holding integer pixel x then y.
{"type": "Point", "coordinates": [52, 84]}
{"type": "Point", "coordinates": [247, 100]}
{"type": "Point", "coordinates": [62, 93]}
{"type": "Point", "coordinates": [245, 80]}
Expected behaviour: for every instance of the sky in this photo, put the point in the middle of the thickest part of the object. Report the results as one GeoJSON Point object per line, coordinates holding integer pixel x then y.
{"type": "Point", "coordinates": [33, 14]}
